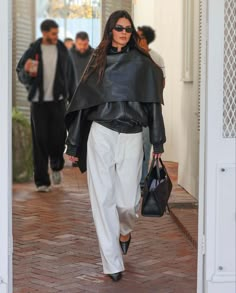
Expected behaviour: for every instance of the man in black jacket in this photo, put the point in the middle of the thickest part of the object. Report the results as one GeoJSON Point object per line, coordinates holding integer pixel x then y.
{"type": "Point", "coordinates": [43, 69]}
{"type": "Point", "coordinates": [80, 54]}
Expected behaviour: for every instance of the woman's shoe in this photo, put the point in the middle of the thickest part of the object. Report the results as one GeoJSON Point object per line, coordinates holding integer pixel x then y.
{"type": "Point", "coordinates": [125, 245]}
{"type": "Point", "coordinates": [115, 277]}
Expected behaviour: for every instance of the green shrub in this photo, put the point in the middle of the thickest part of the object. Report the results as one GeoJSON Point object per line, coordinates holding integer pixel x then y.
{"type": "Point", "coordinates": [21, 148]}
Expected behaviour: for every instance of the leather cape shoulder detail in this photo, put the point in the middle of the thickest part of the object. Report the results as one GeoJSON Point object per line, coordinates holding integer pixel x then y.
{"type": "Point", "coordinates": [131, 76]}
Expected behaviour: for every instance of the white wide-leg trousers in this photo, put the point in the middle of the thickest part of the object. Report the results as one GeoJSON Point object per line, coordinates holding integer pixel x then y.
{"type": "Point", "coordinates": [114, 166]}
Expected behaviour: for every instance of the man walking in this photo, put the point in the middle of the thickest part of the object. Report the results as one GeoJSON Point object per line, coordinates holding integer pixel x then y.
{"type": "Point", "coordinates": [69, 43]}
{"type": "Point", "coordinates": [43, 69]}
{"type": "Point", "coordinates": [80, 54]}
{"type": "Point", "coordinates": [147, 35]}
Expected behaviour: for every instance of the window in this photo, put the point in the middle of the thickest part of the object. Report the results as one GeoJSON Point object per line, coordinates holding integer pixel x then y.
{"type": "Point", "coordinates": [72, 16]}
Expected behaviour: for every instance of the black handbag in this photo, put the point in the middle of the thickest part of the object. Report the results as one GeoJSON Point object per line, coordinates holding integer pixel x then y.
{"type": "Point", "coordinates": [157, 190]}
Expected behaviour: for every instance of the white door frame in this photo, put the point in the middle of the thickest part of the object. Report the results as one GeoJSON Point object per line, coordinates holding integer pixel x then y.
{"type": "Point", "coordinates": [5, 145]}
{"type": "Point", "coordinates": [202, 157]}
{"type": "Point", "coordinates": [220, 152]}
{"type": "Point", "coordinates": [215, 270]}
{"type": "Point", "coordinates": [5, 158]}
{"type": "Point", "coordinates": [5, 148]}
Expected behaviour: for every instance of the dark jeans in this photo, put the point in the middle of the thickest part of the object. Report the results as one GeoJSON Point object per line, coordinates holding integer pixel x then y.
{"type": "Point", "coordinates": [147, 151]}
{"type": "Point", "coordinates": [48, 134]}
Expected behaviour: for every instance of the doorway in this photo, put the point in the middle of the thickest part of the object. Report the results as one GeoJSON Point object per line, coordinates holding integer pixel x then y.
{"type": "Point", "coordinates": [8, 231]}
{"type": "Point", "coordinates": [5, 153]}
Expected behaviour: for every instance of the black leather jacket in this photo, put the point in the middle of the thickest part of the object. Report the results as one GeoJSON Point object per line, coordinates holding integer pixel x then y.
{"type": "Point", "coordinates": [32, 84]}
{"type": "Point", "coordinates": [131, 117]}
{"type": "Point", "coordinates": [124, 117]}
{"type": "Point", "coordinates": [77, 67]}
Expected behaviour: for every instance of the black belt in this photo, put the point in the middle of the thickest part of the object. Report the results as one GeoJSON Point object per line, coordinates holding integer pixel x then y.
{"type": "Point", "coordinates": [120, 127]}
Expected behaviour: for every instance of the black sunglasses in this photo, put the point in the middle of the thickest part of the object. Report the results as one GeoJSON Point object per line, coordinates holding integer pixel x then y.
{"type": "Point", "coordinates": [120, 29]}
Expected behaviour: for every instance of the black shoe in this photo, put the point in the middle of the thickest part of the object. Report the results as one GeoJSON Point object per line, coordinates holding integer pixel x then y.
{"type": "Point", "coordinates": [115, 277]}
{"type": "Point", "coordinates": [125, 245]}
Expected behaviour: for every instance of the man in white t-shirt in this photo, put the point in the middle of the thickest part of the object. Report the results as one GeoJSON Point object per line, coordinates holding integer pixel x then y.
{"type": "Point", "coordinates": [147, 35]}
{"type": "Point", "coordinates": [43, 69]}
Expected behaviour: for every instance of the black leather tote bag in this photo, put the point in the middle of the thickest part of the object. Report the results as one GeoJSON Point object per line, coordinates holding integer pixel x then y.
{"type": "Point", "coordinates": [157, 190]}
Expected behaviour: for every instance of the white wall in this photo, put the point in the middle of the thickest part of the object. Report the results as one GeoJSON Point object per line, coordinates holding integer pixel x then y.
{"type": "Point", "coordinates": [23, 36]}
{"type": "Point", "coordinates": [181, 99]}
{"type": "Point", "coordinates": [5, 149]}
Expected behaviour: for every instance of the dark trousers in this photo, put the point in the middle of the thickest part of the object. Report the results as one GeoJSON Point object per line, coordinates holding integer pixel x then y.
{"type": "Point", "coordinates": [147, 152]}
{"type": "Point", "coordinates": [48, 134]}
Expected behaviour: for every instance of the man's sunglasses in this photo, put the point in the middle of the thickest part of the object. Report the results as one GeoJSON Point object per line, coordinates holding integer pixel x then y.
{"type": "Point", "coordinates": [120, 29]}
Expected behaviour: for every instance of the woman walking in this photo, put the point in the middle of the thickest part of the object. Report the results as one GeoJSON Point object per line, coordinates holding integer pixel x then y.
{"type": "Point", "coordinates": [119, 94]}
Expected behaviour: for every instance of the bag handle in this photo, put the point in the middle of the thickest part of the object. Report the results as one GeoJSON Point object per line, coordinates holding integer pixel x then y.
{"type": "Point", "coordinates": [164, 167]}
{"type": "Point", "coordinates": [159, 160]}
{"type": "Point", "coordinates": [155, 163]}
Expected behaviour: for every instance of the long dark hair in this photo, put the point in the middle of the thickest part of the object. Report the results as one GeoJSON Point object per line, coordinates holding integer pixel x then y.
{"type": "Point", "coordinates": [99, 60]}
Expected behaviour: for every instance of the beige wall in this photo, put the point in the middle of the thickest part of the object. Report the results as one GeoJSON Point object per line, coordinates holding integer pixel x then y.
{"type": "Point", "coordinates": [181, 99]}
{"type": "Point", "coordinates": [109, 6]}
{"type": "Point", "coordinates": [23, 15]}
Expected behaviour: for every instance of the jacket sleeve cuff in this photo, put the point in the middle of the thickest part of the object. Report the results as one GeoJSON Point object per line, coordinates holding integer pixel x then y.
{"type": "Point", "coordinates": [71, 150]}
{"type": "Point", "coordinates": [158, 148]}
{"type": "Point", "coordinates": [25, 77]}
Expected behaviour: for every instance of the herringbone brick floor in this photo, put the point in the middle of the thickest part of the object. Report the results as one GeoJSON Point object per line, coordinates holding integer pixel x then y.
{"type": "Point", "coordinates": [55, 246]}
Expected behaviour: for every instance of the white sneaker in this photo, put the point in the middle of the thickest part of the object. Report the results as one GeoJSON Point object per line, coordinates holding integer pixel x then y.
{"type": "Point", "coordinates": [56, 177]}
{"type": "Point", "coordinates": [43, 188]}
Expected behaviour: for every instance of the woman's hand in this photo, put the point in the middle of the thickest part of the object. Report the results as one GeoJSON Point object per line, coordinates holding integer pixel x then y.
{"type": "Point", "coordinates": [73, 159]}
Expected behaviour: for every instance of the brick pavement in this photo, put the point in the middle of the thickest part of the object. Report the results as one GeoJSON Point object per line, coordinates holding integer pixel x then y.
{"type": "Point", "coordinates": [184, 207]}
{"type": "Point", "coordinates": [55, 246]}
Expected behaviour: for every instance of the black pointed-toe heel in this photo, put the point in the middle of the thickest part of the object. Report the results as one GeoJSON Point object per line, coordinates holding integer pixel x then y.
{"type": "Point", "coordinates": [115, 277]}
{"type": "Point", "coordinates": [125, 245]}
